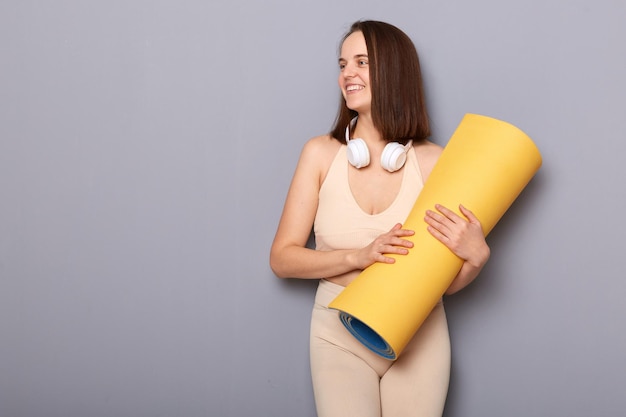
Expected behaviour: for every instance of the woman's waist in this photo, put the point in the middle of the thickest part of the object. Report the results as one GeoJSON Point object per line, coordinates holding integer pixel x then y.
{"type": "Point", "coordinates": [329, 288]}
{"type": "Point", "coordinates": [343, 279]}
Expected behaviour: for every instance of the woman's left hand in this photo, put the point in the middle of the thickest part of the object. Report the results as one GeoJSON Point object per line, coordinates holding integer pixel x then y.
{"type": "Point", "coordinates": [463, 236]}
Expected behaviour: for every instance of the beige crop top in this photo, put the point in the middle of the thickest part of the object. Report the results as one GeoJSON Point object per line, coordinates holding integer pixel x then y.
{"type": "Point", "coordinates": [340, 223]}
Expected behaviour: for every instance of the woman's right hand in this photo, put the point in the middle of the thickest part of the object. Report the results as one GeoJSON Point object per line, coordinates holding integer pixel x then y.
{"type": "Point", "coordinates": [391, 242]}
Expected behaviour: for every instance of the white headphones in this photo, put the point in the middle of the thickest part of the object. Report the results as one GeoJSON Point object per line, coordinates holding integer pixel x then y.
{"type": "Point", "coordinates": [392, 158]}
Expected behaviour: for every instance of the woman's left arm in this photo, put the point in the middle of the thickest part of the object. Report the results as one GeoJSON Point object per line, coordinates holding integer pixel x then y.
{"type": "Point", "coordinates": [464, 237]}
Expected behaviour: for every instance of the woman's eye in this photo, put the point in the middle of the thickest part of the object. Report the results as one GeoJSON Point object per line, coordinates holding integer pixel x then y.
{"type": "Point", "coordinates": [362, 62]}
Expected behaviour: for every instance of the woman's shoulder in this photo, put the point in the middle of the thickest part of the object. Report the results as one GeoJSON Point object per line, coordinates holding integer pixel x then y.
{"type": "Point", "coordinates": [427, 154]}
{"type": "Point", "coordinates": [317, 156]}
{"type": "Point", "coordinates": [429, 148]}
{"type": "Point", "coordinates": [321, 148]}
{"type": "Point", "coordinates": [323, 143]}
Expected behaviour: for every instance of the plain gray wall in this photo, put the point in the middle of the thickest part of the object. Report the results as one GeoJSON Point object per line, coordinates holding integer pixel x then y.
{"type": "Point", "coordinates": [146, 148]}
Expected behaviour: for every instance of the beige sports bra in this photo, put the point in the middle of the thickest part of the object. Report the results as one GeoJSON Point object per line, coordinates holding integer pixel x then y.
{"type": "Point", "coordinates": [340, 223]}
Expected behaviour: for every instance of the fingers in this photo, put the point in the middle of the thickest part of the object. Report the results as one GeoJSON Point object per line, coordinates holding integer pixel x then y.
{"type": "Point", "coordinates": [399, 231]}
{"type": "Point", "coordinates": [468, 213]}
{"type": "Point", "coordinates": [393, 243]}
{"type": "Point", "coordinates": [463, 236]}
{"type": "Point", "coordinates": [447, 216]}
{"type": "Point", "coordinates": [446, 226]}
{"type": "Point", "coordinates": [443, 220]}
{"type": "Point", "coordinates": [385, 250]}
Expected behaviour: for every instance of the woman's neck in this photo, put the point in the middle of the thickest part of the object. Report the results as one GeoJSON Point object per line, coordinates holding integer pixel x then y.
{"type": "Point", "coordinates": [366, 130]}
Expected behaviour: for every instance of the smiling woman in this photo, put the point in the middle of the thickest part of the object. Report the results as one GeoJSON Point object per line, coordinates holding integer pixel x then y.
{"type": "Point", "coordinates": [354, 187]}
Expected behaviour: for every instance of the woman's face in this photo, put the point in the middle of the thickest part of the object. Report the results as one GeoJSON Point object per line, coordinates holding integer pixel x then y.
{"type": "Point", "coordinates": [354, 73]}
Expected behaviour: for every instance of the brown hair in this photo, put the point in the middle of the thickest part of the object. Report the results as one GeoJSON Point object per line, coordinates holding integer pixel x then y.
{"type": "Point", "coordinates": [398, 103]}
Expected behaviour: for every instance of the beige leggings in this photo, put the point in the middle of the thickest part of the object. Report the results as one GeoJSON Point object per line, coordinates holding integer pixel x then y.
{"type": "Point", "coordinates": [351, 381]}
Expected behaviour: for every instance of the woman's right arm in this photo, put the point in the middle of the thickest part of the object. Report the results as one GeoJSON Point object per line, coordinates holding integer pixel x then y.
{"type": "Point", "coordinates": [289, 256]}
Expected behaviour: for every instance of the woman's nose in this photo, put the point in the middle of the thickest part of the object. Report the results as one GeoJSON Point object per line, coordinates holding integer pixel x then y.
{"type": "Point", "coordinates": [348, 71]}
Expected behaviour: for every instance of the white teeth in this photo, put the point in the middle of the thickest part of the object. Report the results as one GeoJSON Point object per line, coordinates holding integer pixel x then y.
{"type": "Point", "coordinates": [354, 87]}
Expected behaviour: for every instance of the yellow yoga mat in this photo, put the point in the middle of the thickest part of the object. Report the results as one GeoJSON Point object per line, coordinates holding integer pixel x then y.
{"type": "Point", "coordinates": [484, 166]}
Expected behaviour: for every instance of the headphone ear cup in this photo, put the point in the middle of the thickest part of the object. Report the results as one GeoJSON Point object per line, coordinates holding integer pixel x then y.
{"type": "Point", "coordinates": [357, 153]}
{"type": "Point", "coordinates": [393, 156]}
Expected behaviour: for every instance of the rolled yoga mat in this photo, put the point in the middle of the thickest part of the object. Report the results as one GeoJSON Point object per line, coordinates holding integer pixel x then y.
{"type": "Point", "coordinates": [485, 166]}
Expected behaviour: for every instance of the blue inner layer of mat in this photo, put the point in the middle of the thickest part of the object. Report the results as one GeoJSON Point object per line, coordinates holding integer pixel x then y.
{"type": "Point", "coordinates": [367, 336]}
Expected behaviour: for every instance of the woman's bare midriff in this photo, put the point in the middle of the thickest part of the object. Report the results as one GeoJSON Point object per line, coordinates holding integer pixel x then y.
{"type": "Point", "coordinates": [344, 279]}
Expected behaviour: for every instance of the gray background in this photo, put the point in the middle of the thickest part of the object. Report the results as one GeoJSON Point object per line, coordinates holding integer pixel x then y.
{"type": "Point", "coordinates": [146, 148]}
